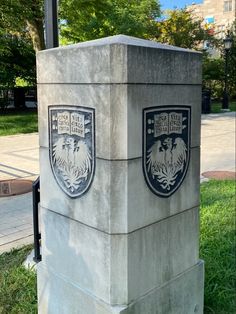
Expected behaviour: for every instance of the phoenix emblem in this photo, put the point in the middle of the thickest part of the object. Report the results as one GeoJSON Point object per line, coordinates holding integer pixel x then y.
{"type": "Point", "coordinates": [166, 138]}
{"type": "Point", "coordinates": [72, 154]}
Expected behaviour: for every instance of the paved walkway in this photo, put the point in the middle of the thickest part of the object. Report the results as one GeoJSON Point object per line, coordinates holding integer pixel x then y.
{"type": "Point", "coordinates": [16, 221]}
{"type": "Point", "coordinates": [19, 156]}
{"type": "Point", "coordinates": [218, 142]}
{"type": "Point", "coordinates": [19, 159]}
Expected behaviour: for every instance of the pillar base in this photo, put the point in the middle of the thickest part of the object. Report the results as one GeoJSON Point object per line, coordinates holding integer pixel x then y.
{"type": "Point", "coordinates": [184, 294]}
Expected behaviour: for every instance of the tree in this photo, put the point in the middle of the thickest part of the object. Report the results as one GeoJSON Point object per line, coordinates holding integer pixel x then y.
{"type": "Point", "coordinates": [86, 20]}
{"type": "Point", "coordinates": [23, 16]}
{"type": "Point", "coordinates": [213, 69]}
{"type": "Point", "coordinates": [81, 20]}
{"type": "Point", "coordinates": [213, 75]}
{"type": "Point", "coordinates": [21, 28]}
{"type": "Point", "coordinates": [180, 29]}
{"type": "Point", "coordinates": [17, 60]}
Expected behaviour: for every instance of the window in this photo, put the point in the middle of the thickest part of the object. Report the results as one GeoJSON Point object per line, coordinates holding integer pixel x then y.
{"type": "Point", "coordinates": [228, 6]}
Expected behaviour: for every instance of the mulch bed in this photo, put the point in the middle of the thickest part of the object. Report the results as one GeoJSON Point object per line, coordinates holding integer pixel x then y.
{"type": "Point", "coordinates": [220, 175]}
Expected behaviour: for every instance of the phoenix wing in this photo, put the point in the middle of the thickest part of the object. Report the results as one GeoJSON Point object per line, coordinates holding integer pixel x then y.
{"type": "Point", "coordinates": [155, 156]}
{"type": "Point", "coordinates": [179, 152]}
{"type": "Point", "coordinates": [82, 157]}
{"type": "Point", "coordinates": [59, 154]}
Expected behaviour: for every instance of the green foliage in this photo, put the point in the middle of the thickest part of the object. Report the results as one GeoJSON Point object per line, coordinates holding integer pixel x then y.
{"type": "Point", "coordinates": [11, 18]}
{"type": "Point", "coordinates": [19, 17]}
{"type": "Point", "coordinates": [217, 245]}
{"type": "Point", "coordinates": [25, 122]}
{"type": "Point", "coordinates": [86, 20]}
{"type": "Point", "coordinates": [17, 60]}
{"type": "Point", "coordinates": [213, 75]}
{"type": "Point", "coordinates": [214, 70]}
{"type": "Point", "coordinates": [20, 82]}
{"type": "Point", "coordinates": [180, 29]}
{"type": "Point", "coordinates": [21, 28]}
{"type": "Point", "coordinates": [16, 13]}
{"type": "Point", "coordinates": [17, 284]}
{"type": "Point", "coordinates": [17, 56]}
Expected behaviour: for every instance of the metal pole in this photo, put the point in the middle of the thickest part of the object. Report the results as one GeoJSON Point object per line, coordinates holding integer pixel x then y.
{"type": "Point", "coordinates": [225, 102]}
{"type": "Point", "coordinates": [51, 24]}
{"type": "Point", "coordinates": [37, 234]}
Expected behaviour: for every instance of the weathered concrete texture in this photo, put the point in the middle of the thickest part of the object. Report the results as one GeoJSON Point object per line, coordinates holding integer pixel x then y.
{"type": "Point", "coordinates": [119, 59]}
{"type": "Point", "coordinates": [118, 112]}
{"type": "Point", "coordinates": [120, 244]}
{"type": "Point", "coordinates": [184, 294]}
{"type": "Point", "coordinates": [119, 200]}
{"type": "Point", "coordinates": [58, 295]}
{"type": "Point", "coordinates": [120, 268]}
{"type": "Point", "coordinates": [145, 65]}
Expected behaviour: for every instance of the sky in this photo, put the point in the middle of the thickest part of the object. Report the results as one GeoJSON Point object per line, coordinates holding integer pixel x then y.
{"type": "Point", "coordinates": [172, 4]}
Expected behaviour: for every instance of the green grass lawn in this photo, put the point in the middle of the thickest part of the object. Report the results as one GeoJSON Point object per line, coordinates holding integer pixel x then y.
{"type": "Point", "coordinates": [217, 106]}
{"type": "Point", "coordinates": [17, 284]}
{"type": "Point", "coordinates": [217, 248]}
{"type": "Point", "coordinates": [15, 123]}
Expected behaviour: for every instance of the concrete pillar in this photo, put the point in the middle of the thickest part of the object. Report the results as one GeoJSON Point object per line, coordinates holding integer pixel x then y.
{"type": "Point", "coordinates": [119, 126]}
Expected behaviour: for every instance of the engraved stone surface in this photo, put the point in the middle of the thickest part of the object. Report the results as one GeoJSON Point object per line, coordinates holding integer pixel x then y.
{"type": "Point", "coordinates": [113, 206]}
{"type": "Point", "coordinates": [119, 112]}
{"type": "Point", "coordinates": [72, 147]}
{"type": "Point", "coordinates": [166, 142]}
{"type": "Point", "coordinates": [123, 246]}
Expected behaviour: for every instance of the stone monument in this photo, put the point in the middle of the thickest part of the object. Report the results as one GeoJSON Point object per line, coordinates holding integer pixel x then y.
{"type": "Point", "coordinates": [119, 126]}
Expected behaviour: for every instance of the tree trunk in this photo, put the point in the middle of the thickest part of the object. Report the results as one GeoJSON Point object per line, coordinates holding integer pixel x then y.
{"type": "Point", "coordinates": [36, 33]}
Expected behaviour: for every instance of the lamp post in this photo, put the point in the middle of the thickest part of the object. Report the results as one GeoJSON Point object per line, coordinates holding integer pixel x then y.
{"type": "Point", "coordinates": [51, 23]}
{"type": "Point", "coordinates": [227, 46]}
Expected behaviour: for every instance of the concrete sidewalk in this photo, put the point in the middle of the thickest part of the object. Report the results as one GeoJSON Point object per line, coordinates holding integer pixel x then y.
{"type": "Point", "coordinates": [16, 225]}
{"type": "Point", "coordinates": [19, 156]}
{"type": "Point", "coordinates": [218, 142]}
{"type": "Point", "coordinates": [19, 159]}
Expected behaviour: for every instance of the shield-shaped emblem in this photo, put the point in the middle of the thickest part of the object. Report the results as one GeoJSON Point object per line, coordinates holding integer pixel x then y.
{"type": "Point", "coordinates": [72, 147]}
{"type": "Point", "coordinates": [166, 147]}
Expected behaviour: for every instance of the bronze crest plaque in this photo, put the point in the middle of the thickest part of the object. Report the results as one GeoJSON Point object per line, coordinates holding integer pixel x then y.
{"type": "Point", "coordinates": [72, 147]}
{"type": "Point", "coordinates": [166, 147]}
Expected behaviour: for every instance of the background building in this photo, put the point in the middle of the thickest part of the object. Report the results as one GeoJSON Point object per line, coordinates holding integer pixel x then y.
{"type": "Point", "coordinates": [217, 15]}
